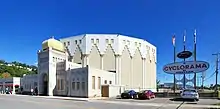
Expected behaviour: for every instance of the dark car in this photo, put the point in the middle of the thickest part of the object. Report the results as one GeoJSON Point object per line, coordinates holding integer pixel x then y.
{"type": "Point", "coordinates": [146, 94]}
{"type": "Point", "coordinates": [129, 94]}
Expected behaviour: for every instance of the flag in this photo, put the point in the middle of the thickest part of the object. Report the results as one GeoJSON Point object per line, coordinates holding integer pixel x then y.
{"type": "Point", "coordinates": [184, 37]}
{"type": "Point", "coordinates": [173, 40]}
{"type": "Point", "coordinates": [195, 37]}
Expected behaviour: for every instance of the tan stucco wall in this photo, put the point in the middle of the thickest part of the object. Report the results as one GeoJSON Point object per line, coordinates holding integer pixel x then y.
{"type": "Point", "coordinates": [94, 58]}
{"type": "Point", "coordinates": [109, 59]}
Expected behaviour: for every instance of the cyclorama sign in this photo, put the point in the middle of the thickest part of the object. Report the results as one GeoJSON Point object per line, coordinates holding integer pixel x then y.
{"type": "Point", "coordinates": [187, 67]}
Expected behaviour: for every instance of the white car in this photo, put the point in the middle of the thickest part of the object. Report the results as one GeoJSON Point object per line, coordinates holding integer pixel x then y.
{"type": "Point", "coordinates": [191, 94]}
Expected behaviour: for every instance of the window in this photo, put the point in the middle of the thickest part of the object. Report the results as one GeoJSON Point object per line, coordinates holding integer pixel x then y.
{"type": "Point", "coordinates": [106, 41]}
{"type": "Point", "coordinates": [105, 82]}
{"type": "Point", "coordinates": [62, 84]}
{"type": "Point", "coordinates": [58, 84]}
{"type": "Point", "coordinates": [139, 44]}
{"type": "Point", "coordinates": [128, 42]}
{"type": "Point", "coordinates": [80, 41]}
{"type": "Point", "coordinates": [92, 40]}
{"type": "Point", "coordinates": [78, 85]}
{"type": "Point", "coordinates": [68, 43]}
{"type": "Point", "coordinates": [97, 41]}
{"type": "Point", "coordinates": [124, 41]}
{"type": "Point", "coordinates": [73, 85]}
{"type": "Point", "coordinates": [110, 82]}
{"type": "Point", "coordinates": [54, 59]}
{"type": "Point", "coordinates": [99, 82]}
{"type": "Point", "coordinates": [83, 85]}
{"type": "Point", "coordinates": [64, 43]}
{"type": "Point", "coordinates": [75, 41]}
{"type": "Point", "coordinates": [112, 41]}
{"type": "Point", "coordinates": [135, 43]}
{"type": "Point", "coordinates": [93, 82]}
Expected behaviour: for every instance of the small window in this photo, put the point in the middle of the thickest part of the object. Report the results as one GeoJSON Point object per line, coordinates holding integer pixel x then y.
{"type": "Point", "coordinates": [83, 85]}
{"type": "Point", "coordinates": [68, 43]}
{"type": "Point", "coordinates": [73, 85]}
{"type": "Point", "coordinates": [93, 82]}
{"type": "Point", "coordinates": [106, 41]}
{"type": "Point", "coordinates": [105, 82]}
{"type": "Point", "coordinates": [99, 82]}
{"type": "Point", "coordinates": [64, 43]}
{"type": "Point", "coordinates": [97, 41]}
{"type": "Point", "coordinates": [110, 82]}
{"type": "Point", "coordinates": [124, 41]}
{"type": "Point", "coordinates": [112, 41]}
{"type": "Point", "coordinates": [128, 42]}
{"type": "Point", "coordinates": [135, 43]}
{"type": "Point", "coordinates": [78, 85]}
{"type": "Point", "coordinates": [80, 41]}
{"type": "Point", "coordinates": [92, 41]}
{"type": "Point", "coordinates": [75, 41]}
{"type": "Point", "coordinates": [139, 44]}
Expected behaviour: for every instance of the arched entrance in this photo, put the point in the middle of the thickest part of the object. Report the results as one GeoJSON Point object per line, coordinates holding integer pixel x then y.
{"type": "Point", "coordinates": [45, 84]}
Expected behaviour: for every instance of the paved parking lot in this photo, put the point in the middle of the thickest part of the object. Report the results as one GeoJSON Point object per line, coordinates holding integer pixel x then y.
{"type": "Point", "coordinates": [27, 102]}
{"type": "Point", "coordinates": [170, 101]}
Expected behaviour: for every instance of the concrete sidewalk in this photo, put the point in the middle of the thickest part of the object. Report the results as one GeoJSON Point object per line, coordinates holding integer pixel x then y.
{"type": "Point", "coordinates": [59, 97]}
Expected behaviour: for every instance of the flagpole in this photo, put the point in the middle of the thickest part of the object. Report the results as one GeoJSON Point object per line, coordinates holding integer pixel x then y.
{"type": "Point", "coordinates": [174, 59]}
{"type": "Point", "coordinates": [184, 49]}
{"type": "Point", "coordinates": [194, 57]}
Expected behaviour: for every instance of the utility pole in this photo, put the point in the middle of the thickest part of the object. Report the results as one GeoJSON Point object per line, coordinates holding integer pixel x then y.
{"type": "Point", "coordinates": [216, 71]}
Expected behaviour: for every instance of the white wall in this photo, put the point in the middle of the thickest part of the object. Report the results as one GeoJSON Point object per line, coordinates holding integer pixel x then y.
{"type": "Point", "coordinates": [109, 76]}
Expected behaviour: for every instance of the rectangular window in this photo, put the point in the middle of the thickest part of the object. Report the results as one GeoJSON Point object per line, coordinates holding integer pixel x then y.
{"type": "Point", "coordinates": [105, 82]}
{"type": "Point", "coordinates": [139, 44]}
{"type": "Point", "coordinates": [62, 84]}
{"type": "Point", "coordinates": [99, 82]}
{"type": "Point", "coordinates": [112, 41]}
{"type": "Point", "coordinates": [135, 43]}
{"type": "Point", "coordinates": [124, 41]}
{"type": "Point", "coordinates": [75, 41]}
{"type": "Point", "coordinates": [58, 84]}
{"type": "Point", "coordinates": [68, 43]}
{"type": "Point", "coordinates": [92, 41]}
{"type": "Point", "coordinates": [97, 41]}
{"type": "Point", "coordinates": [93, 82]}
{"type": "Point", "coordinates": [106, 41]}
{"type": "Point", "coordinates": [80, 41]}
{"type": "Point", "coordinates": [110, 82]}
{"type": "Point", "coordinates": [64, 43]}
{"type": "Point", "coordinates": [83, 85]}
{"type": "Point", "coordinates": [73, 85]}
{"type": "Point", "coordinates": [78, 85]}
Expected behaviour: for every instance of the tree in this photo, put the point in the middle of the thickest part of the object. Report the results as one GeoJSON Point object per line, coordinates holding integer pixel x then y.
{"type": "Point", "coordinates": [6, 75]}
{"type": "Point", "coordinates": [158, 85]}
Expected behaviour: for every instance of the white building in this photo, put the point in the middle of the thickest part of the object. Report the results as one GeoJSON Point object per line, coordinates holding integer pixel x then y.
{"type": "Point", "coordinates": [94, 65]}
{"type": "Point", "coordinates": [133, 60]}
{"type": "Point", "coordinates": [12, 84]}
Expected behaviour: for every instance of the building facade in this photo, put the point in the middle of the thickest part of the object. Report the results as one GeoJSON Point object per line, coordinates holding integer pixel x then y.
{"type": "Point", "coordinates": [94, 65]}
{"type": "Point", "coordinates": [133, 60]}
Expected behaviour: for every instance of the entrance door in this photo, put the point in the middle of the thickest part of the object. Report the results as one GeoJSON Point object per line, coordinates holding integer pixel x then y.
{"type": "Point", "coordinates": [105, 91]}
{"type": "Point", "coordinates": [45, 85]}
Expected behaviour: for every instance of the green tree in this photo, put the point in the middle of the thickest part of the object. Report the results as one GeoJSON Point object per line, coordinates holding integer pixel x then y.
{"type": "Point", "coordinates": [158, 85]}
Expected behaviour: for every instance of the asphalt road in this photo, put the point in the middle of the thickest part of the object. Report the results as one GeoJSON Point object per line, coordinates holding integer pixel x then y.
{"type": "Point", "coordinates": [29, 102]}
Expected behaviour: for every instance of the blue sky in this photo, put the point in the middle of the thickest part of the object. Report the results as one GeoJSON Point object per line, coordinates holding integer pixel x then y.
{"type": "Point", "coordinates": [24, 24]}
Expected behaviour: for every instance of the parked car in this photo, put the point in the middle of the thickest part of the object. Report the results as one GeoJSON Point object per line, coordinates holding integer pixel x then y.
{"type": "Point", "coordinates": [129, 94]}
{"type": "Point", "coordinates": [146, 94]}
{"type": "Point", "coordinates": [190, 94]}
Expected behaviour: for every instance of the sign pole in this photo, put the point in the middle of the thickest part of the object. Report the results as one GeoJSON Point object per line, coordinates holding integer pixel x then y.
{"type": "Point", "coordinates": [174, 59]}
{"type": "Point", "coordinates": [184, 49]}
{"type": "Point", "coordinates": [195, 58]}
